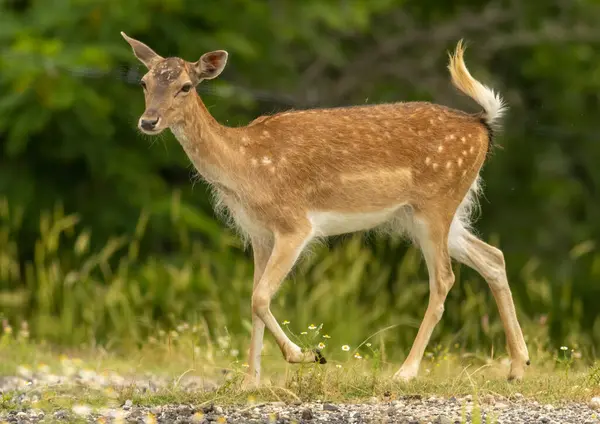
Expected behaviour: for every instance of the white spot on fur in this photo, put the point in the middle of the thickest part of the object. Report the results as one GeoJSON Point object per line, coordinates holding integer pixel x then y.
{"type": "Point", "coordinates": [427, 160]}
{"type": "Point", "coordinates": [464, 140]}
{"type": "Point", "coordinates": [459, 162]}
{"type": "Point", "coordinates": [254, 161]}
{"type": "Point", "coordinates": [472, 149]}
{"type": "Point", "coordinates": [448, 165]}
{"type": "Point", "coordinates": [440, 148]}
{"type": "Point", "coordinates": [265, 160]}
{"type": "Point", "coordinates": [265, 133]}
{"type": "Point", "coordinates": [464, 152]}
{"type": "Point", "coordinates": [435, 166]}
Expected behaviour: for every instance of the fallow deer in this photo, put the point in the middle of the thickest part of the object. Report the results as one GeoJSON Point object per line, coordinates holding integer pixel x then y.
{"type": "Point", "coordinates": [291, 178]}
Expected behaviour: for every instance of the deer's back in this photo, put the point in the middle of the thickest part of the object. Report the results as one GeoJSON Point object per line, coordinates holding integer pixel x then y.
{"type": "Point", "coordinates": [365, 158]}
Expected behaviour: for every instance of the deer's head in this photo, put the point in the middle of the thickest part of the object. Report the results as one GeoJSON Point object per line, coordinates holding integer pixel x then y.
{"type": "Point", "coordinates": [168, 83]}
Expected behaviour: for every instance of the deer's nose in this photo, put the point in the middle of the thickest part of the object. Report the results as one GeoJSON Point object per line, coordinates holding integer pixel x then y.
{"type": "Point", "coordinates": [148, 123]}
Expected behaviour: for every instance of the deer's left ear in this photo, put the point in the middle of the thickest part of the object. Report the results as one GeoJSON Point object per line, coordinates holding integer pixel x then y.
{"type": "Point", "coordinates": [144, 53]}
{"type": "Point", "coordinates": [210, 65]}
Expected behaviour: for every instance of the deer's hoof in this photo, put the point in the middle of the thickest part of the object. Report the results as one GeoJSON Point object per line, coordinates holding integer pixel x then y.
{"type": "Point", "coordinates": [319, 358]}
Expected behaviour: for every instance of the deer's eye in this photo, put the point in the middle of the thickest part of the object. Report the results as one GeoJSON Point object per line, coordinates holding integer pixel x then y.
{"type": "Point", "coordinates": [143, 84]}
{"type": "Point", "coordinates": [186, 88]}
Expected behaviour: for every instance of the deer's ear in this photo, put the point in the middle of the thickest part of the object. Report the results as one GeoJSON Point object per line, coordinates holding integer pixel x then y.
{"type": "Point", "coordinates": [210, 65]}
{"type": "Point", "coordinates": [144, 53]}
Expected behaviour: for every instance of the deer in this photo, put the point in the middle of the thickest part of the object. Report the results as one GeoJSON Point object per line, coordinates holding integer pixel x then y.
{"type": "Point", "coordinates": [286, 180]}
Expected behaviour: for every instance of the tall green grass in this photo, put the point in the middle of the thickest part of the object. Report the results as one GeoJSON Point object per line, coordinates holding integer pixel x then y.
{"type": "Point", "coordinates": [72, 294]}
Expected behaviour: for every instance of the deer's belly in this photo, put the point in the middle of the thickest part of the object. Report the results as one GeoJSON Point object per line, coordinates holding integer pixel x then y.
{"type": "Point", "coordinates": [335, 223]}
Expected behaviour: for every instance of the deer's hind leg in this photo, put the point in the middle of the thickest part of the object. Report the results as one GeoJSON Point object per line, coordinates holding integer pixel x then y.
{"type": "Point", "coordinates": [430, 228]}
{"type": "Point", "coordinates": [488, 261]}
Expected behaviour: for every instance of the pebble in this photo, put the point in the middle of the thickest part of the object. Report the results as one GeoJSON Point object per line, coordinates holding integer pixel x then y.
{"type": "Point", "coordinates": [61, 415]}
{"type": "Point", "coordinates": [442, 419]}
{"type": "Point", "coordinates": [307, 414]}
{"type": "Point", "coordinates": [489, 399]}
{"type": "Point", "coordinates": [595, 403]}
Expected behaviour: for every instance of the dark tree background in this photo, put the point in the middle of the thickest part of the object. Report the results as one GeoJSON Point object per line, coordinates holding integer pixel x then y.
{"type": "Point", "coordinates": [70, 99]}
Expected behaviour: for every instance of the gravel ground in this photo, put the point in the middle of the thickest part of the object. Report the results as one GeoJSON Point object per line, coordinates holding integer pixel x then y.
{"type": "Point", "coordinates": [25, 389]}
{"type": "Point", "coordinates": [408, 410]}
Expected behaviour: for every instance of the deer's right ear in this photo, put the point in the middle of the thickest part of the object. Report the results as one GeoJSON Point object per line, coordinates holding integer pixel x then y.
{"type": "Point", "coordinates": [144, 53]}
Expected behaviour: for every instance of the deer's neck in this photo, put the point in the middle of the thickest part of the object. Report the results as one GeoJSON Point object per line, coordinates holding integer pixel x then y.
{"type": "Point", "coordinates": [208, 144]}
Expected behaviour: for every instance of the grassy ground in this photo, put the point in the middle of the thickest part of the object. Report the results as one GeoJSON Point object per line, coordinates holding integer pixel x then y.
{"type": "Point", "coordinates": [98, 378]}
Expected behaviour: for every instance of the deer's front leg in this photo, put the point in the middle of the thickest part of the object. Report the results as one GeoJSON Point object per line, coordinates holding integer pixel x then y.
{"type": "Point", "coordinates": [261, 249]}
{"type": "Point", "coordinates": [286, 250]}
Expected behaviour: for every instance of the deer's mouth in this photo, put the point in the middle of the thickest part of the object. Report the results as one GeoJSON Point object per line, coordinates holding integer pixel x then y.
{"type": "Point", "coordinates": [153, 131]}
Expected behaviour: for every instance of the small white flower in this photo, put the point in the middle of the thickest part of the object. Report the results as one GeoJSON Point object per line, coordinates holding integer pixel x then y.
{"type": "Point", "coordinates": [321, 345]}
{"type": "Point", "coordinates": [312, 327]}
{"type": "Point", "coordinates": [338, 366]}
{"type": "Point", "coordinates": [368, 344]}
{"type": "Point", "coordinates": [564, 348]}
{"type": "Point", "coordinates": [345, 348]}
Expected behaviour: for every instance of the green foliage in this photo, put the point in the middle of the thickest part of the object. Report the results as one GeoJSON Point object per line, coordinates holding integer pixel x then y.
{"type": "Point", "coordinates": [68, 137]}
{"type": "Point", "coordinates": [73, 294]}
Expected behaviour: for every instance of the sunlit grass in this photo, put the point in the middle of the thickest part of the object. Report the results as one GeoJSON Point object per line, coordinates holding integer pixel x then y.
{"type": "Point", "coordinates": [100, 379]}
